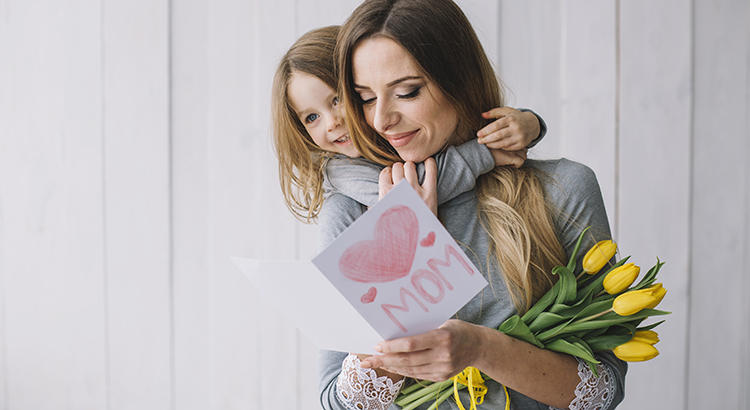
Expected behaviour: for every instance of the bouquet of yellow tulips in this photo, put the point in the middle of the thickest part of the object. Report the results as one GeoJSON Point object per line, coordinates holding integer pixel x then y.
{"type": "Point", "coordinates": [579, 315]}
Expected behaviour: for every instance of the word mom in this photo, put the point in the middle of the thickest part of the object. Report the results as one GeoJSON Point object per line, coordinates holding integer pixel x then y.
{"type": "Point", "coordinates": [433, 276]}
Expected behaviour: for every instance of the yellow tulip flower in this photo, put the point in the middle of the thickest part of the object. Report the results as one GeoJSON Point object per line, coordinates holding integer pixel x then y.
{"type": "Point", "coordinates": [658, 291]}
{"type": "Point", "coordinates": [632, 302]}
{"type": "Point", "coordinates": [598, 256]}
{"type": "Point", "coordinates": [621, 278]}
{"type": "Point", "coordinates": [635, 351]}
{"type": "Point", "coordinates": [646, 336]}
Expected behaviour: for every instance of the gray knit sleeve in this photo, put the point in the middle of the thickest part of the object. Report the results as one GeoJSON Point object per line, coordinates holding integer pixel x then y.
{"type": "Point", "coordinates": [458, 169]}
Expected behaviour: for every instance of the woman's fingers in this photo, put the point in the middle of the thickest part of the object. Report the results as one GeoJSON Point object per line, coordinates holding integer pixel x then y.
{"type": "Point", "coordinates": [435, 355]}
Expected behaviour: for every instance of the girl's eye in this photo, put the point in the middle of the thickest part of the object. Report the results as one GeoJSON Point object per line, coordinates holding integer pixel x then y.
{"type": "Point", "coordinates": [335, 101]}
{"type": "Point", "coordinates": [311, 118]}
{"type": "Point", "coordinates": [412, 94]}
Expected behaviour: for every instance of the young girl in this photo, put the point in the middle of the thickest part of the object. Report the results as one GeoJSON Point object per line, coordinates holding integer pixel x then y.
{"type": "Point", "coordinates": [309, 131]}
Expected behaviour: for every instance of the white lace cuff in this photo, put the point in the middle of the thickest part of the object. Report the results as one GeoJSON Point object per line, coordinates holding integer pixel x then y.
{"type": "Point", "coordinates": [593, 393]}
{"type": "Point", "coordinates": [362, 389]}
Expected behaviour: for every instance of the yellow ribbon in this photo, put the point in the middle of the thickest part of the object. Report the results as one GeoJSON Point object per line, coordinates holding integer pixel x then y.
{"type": "Point", "coordinates": [471, 377]}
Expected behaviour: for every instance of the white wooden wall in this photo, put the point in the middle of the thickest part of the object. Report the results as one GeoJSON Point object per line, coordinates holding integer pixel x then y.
{"type": "Point", "coordinates": [135, 158]}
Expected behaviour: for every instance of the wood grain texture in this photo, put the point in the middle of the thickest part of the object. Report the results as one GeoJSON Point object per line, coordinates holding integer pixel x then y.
{"type": "Point", "coordinates": [51, 206]}
{"type": "Point", "coordinates": [654, 178]}
{"type": "Point", "coordinates": [137, 201]}
{"type": "Point", "coordinates": [719, 207]}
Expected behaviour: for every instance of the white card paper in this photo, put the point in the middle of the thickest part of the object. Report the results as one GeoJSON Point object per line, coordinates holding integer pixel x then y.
{"type": "Point", "coordinates": [305, 297]}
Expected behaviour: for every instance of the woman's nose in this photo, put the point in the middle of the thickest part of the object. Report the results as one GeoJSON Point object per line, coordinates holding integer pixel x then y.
{"type": "Point", "coordinates": [384, 117]}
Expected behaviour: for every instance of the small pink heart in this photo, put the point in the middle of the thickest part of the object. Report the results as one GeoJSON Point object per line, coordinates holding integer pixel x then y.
{"type": "Point", "coordinates": [369, 297]}
{"type": "Point", "coordinates": [428, 241]}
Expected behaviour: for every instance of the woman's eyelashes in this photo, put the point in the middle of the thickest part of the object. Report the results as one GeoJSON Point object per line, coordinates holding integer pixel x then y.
{"type": "Point", "coordinates": [411, 94]}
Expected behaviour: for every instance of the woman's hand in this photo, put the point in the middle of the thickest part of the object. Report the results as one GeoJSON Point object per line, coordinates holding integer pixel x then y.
{"type": "Point", "coordinates": [390, 176]}
{"type": "Point", "coordinates": [513, 130]}
{"type": "Point", "coordinates": [436, 355]}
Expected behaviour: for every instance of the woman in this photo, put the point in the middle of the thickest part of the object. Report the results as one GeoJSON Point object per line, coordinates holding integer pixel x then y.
{"type": "Point", "coordinates": [412, 72]}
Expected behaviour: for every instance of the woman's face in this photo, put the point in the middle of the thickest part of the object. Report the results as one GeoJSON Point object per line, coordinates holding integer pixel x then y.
{"type": "Point", "coordinates": [317, 106]}
{"type": "Point", "coordinates": [399, 102]}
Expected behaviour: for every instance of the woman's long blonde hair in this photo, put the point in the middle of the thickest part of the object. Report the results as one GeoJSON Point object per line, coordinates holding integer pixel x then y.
{"type": "Point", "coordinates": [512, 205]}
{"type": "Point", "coordinates": [300, 160]}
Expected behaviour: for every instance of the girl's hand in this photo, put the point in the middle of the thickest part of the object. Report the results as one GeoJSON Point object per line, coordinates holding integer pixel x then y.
{"type": "Point", "coordinates": [390, 176]}
{"type": "Point", "coordinates": [436, 355]}
{"type": "Point", "coordinates": [512, 131]}
{"type": "Point", "coordinates": [509, 158]}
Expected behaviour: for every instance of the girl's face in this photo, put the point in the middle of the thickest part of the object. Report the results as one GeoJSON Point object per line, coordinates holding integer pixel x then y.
{"type": "Point", "coordinates": [399, 102]}
{"type": "Point", "coordinates": [317, 106]}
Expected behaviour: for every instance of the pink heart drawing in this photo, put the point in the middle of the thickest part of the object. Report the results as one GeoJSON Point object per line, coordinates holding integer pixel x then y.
{"type": "Point", "coordinates": [428, 241]}
{"type": "Point", "coordinates": [389, 255]}
{"type": "Point", "coordinates": [369, 297]}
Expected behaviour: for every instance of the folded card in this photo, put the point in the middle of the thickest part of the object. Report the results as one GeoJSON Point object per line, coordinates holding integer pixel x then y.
{"type": "Point", "coordinates": [394, 272]}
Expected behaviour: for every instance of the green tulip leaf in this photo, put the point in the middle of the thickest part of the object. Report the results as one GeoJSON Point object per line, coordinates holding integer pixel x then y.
{"type": "Point", "coordinates": [568, 285]}
{"type": "Point", "coordinates": [651, 327]}
{"type": "Point", "coordinates": [545, 320]}
{"type": "Point", "coordinates": [515, 328]}
{"type": "Point", "coordinates": [650, 277]}
{"type": "Point", "coordinates": [574, 349]}
{"type": "Point", "coordinates": [574, 255]}
{"type": "Point", "coordinates": [542, 303]}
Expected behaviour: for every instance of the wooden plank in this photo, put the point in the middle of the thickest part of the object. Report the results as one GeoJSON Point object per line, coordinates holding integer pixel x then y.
{"type": "Point", "coordinates": [279, 344]}
{"type": "Point", "coordinates": [654, 175]}
{"type": "Point", "coordinates": [190, 212]}
{"type": "Point", "coordinates": [312, 14]}
{"type": "Point", "coordinates": [50, 195]}
{"type": "Point", "coordinates": [588, 91]}
{"type": "Point", "coordinates": [530, 62]}
{"type": "Point", "coordinates": [720, 212]}
{"type": "Point", "coordinates": [484, 17]}
{"type": "Point", "coordinates": [137, 196]}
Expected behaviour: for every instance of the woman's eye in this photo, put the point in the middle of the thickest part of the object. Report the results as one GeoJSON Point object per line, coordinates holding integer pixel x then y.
{"type": "Point", "coordinates": [312, 117]}
{"type": "Point", "coordinates": [366, 101]}
{"type": "Point", "coordinates": [412, 94]}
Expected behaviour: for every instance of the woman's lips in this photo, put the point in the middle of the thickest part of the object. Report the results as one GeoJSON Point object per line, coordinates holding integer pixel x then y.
{"type": "Point", "coordinates": [399, 140]}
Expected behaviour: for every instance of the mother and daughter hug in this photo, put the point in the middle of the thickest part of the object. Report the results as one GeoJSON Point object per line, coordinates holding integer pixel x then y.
{"type": "Point", "coordinates": [404, 90]}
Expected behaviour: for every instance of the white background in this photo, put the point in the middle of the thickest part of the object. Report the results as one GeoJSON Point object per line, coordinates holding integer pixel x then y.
{"type": "Point", "coordinates": [135, 158]}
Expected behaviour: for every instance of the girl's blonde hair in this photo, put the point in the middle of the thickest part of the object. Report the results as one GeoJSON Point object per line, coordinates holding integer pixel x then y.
{"type": "Point", "coordinates": [300, 160]}
{"type": "Point", "coordinates": [512, 205]}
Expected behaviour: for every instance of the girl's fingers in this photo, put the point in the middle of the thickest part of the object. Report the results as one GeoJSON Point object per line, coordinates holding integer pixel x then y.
{"type": "Point", "coordinates": [430, 174]}
{"type": "Point", "coordinates": [398, 172]}
{"type": "Point", "coordinates": [385, 182]}
{"type": "Point", "coordinates": [410, 173]}
{"type": "Point", "coordinates": [497, 112]}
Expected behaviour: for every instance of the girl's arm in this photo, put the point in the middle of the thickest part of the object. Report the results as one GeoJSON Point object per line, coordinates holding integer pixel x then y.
{"type": "Point", "coordinates": [458, 169]}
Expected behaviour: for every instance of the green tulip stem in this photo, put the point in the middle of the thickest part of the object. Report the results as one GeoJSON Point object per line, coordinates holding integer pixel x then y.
{"type": "Point", "coordinates": [580, 275]}
{"type": "Point", "coordinates": [600, 293]}
{"type": "Point", "coordinates": [592, 317]}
